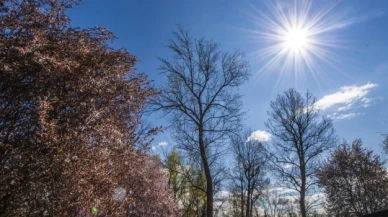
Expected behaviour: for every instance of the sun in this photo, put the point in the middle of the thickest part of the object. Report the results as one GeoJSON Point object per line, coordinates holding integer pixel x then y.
{"type": "Point", "coordinates": [296, 40]}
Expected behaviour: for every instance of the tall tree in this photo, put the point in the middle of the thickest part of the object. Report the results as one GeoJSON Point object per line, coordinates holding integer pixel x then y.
{"type": "Point", "coordinates": [355, 180]}
{"type": "Point", "coordinates": [300, 137]}
{"type": "Point", "coordinates": [70, 117]}
{"type": "Point", "coordinates": [201, 99]}
{"type": "Point", "coordinates": [248, 175]}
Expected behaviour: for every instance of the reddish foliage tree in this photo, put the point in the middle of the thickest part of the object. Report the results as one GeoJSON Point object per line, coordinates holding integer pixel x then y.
{"type": "Point", "coordinates": [355, 180]}
{"type": "Point", "coordinates": [70, 120]}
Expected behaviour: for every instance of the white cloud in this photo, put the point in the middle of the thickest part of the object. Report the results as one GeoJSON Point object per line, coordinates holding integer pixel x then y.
{"type": "Point", "coordinates": [336, 116]}
{"type": "Point", "coordinates": [368, 101]}
{"type": "Point", "coordinates": [282, 191]}
{"type": "Point", "coordinates": [163, 143]}
{"type": "Point", "coordinates": [345, 108]}
{"type": "Point", "coordinates": [346, 97]}
{"type": "Point", "coordinates": [260, 135]}
{"type": "Point", "coordinates": [222, 194]}
{"type": "Point", "coordinates": [319, 196]}
{"type": "Point", "coordinates": [274, 193]}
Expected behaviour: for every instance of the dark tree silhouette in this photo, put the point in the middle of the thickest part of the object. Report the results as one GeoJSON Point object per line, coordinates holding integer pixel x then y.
{"type": "Point", "coordinates": [355, 180]}
{"type": "Point", "coordinates": [248, 176]}
{"type": "Point", "coordinates": [201, 99]}
{"type": "Point", "coordinates": [70, 120]}
{"type": "Point", "coordinates": [300, 137]}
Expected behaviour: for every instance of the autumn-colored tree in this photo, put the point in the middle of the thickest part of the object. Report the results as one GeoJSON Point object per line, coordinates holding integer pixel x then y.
{"type": "Point", "coordinates": [355, 181]}
{"type": "Point", "coordinates": [300, 137]}
{"type": "Point", "coordinates": [70, 120]}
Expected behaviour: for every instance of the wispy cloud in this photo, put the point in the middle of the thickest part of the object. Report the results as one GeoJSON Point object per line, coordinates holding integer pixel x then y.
{"type": "Point", "coordinates": [260, 135]}
{"type": "Point", "coordinates": [356, 20]}
{"type": "Point", "coordinates": [163, 143]}
{"type": "Point", "coordinates": [336, 116]}
{"type": "Point", "coordinates": [282, 191]}
{"type": "Point", "coordinates": [347, 98]}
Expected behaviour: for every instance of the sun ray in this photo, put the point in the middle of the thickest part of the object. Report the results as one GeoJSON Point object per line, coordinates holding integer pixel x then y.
{"type": "Point", "coordinates": [297, 39]}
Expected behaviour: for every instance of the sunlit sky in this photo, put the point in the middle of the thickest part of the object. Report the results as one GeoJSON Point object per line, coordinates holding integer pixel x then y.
{"type": "Point", "coordinates": [338, 50]}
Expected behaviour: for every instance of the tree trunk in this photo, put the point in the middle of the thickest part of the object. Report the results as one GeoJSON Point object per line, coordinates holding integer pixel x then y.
{"type": "Point", "coordinates": [209, 181]}
{"type": "Point", "coordinates": [251, 205]}
{"type": "Point", "coordinates": [302, 204]}
{"type": "Point", "coordinates": [248, 202]}
{"type": "Point", "coordinates": [242, 203]}
{"type": "Point", "coordinates": [303, 190]}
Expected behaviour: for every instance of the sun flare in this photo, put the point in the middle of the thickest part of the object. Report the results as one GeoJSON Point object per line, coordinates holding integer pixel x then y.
{"type": "Point", "coordinates": [296, 37]}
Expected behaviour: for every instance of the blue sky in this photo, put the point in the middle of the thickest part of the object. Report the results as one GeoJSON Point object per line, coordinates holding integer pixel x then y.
{"type": "Point", "coordinates": [350, 73]}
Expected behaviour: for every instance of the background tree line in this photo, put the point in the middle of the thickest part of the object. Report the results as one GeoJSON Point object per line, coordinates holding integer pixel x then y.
{"type": "Point", "coordinates": [206, 120]}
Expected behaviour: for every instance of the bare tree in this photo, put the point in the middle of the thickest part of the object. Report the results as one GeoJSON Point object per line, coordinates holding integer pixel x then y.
{"type": "Point", "coordinates": [276, 203]}
{"type": "Point", "coordinates": [355, 180]}
{"type": "Point", "coordinates": [248, 175]}
{"type": "Point", "coordinates": [201, 100]}
{"type": "Point", "coordinates": [300, 138]}
{"type": "Point", "coordinates": [236, 199]}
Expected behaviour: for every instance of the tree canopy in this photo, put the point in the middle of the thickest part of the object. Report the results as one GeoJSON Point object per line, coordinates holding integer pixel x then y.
{"type": "Point", "coordinates": [70, 120]}
{"type": "Point", "coordinates": [300, 137]}
{"type": "Point", "coordinates": [201, 101]}
{"type": "Point", "coordinates": [355, 180]}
